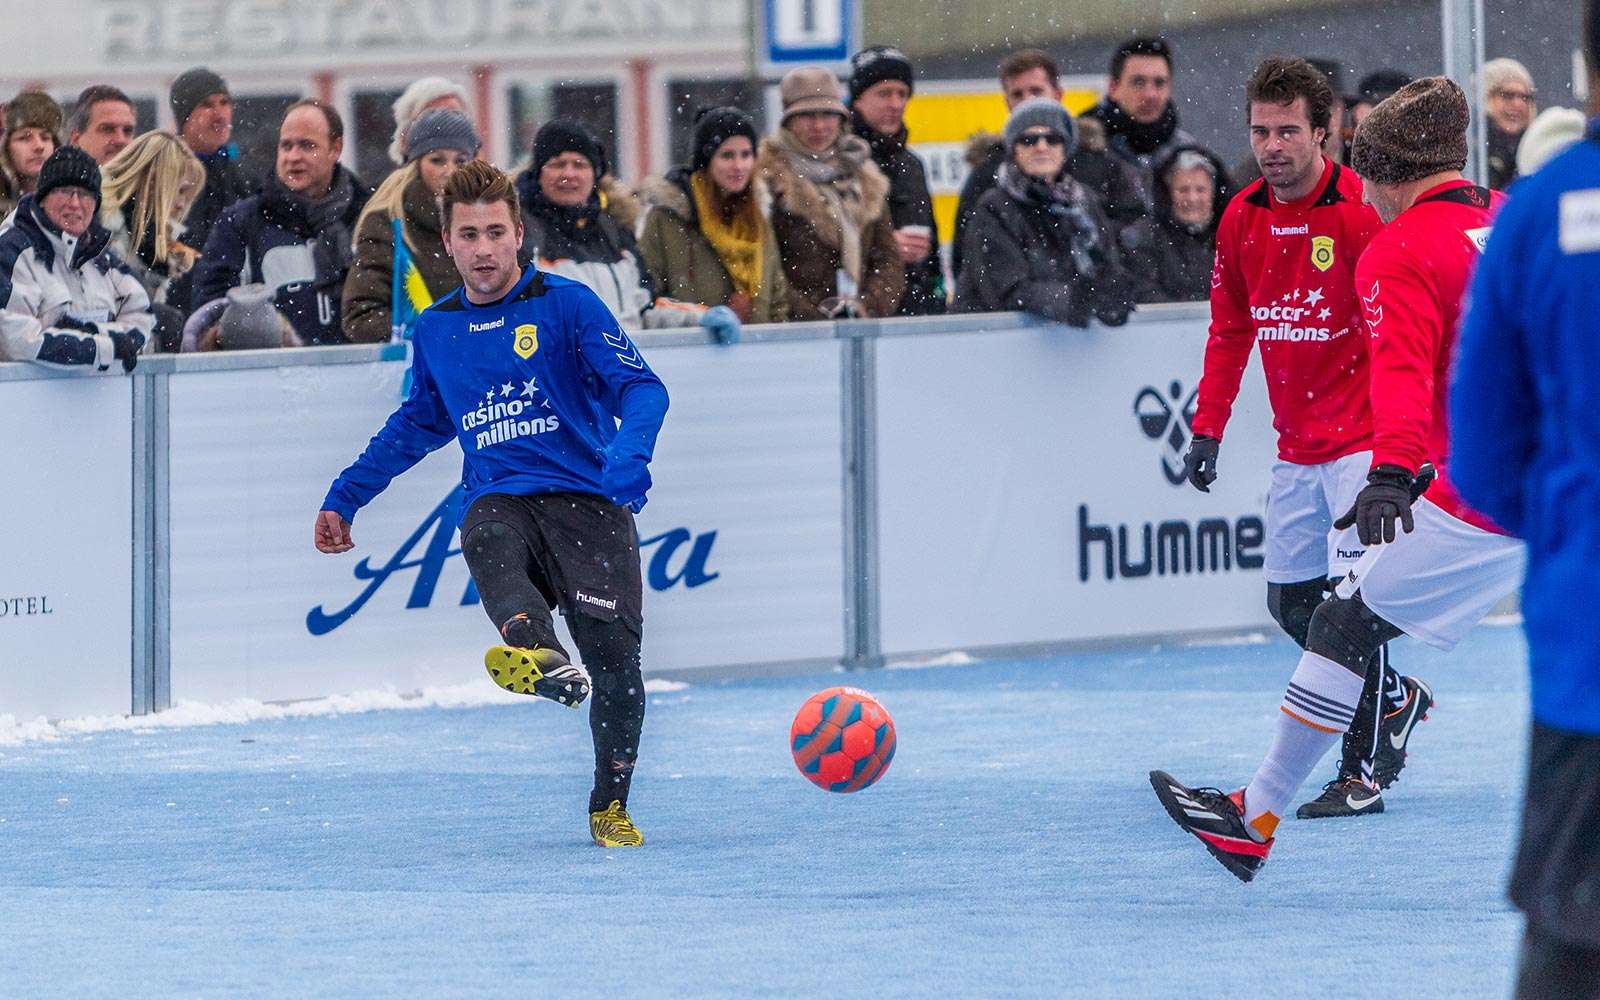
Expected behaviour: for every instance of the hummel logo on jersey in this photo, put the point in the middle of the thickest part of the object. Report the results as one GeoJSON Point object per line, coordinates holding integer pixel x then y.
{"type": "Point", "coordinates": [1373, 308]}
{"type": "Point", "coordinates": [493, 324]}
{"type": "Point", "coordinates": [626, 352]}
{"type": "Point", "coordinates": [1300, 230]}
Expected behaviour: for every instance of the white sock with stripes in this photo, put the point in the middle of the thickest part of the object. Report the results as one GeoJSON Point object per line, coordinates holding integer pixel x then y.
{"type": "Point", "coordinates": [1316, 711]}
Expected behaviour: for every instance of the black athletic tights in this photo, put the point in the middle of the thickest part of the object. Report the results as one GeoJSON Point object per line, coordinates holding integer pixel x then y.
{"type": "Point", "coordinates": [503, 568]}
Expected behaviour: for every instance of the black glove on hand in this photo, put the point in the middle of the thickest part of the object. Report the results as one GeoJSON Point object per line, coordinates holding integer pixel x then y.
{"type": "Point", "coordinates": [127, 347]}
{"type": "Point", "coordinates": [1200, 462]}
{"type": "Point", "coordinates": [1113, 299]}
{"type": "Point", "coordinates": [1386, 498]}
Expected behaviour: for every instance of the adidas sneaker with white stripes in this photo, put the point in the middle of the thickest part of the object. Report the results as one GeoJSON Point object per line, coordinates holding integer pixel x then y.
{"type": "Point", "coordinates": [1217, 820]}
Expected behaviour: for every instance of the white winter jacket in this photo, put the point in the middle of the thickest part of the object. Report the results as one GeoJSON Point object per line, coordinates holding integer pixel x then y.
{"type": "Point", "coordinates": [65, 301]}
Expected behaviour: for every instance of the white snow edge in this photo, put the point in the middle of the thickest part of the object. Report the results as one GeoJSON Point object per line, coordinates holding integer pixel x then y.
{"type": "Point", "coordinates": [188, 714]}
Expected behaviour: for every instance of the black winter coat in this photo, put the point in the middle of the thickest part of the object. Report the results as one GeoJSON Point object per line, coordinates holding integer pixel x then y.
{"type": "Point", "coordinates": [1018, 255]}
{"type": "Point", "coordinates": [910, 204]}
{"type": "Point", "coordinates": [1167, 261]}
{"type": "Point", "coordinates": [226, 183]}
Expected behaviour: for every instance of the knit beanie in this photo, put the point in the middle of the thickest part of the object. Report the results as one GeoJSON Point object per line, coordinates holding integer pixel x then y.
{"type": "Point", "coordinates": [715, 126]}
{"type": "Point", "coordinates": [31, 109]}
{"type": "Point", "coordinates": [408, 106]}
{"type": "Point", "coordinates": [1037, 112]}
{"type": "Point", "coordinates": [1420, 130]}
{"type": "Point", "coordinates": [809, 89]}
{"type": "Point", "coordinates": [874, 65]}
{"type": "Point", "coordinates": [190, 90]}
{"type": "Point", "coordinates": [441, 128]}
{"type": "Point", "coordinates": [249, 322]}
{"type": "Point", "coordinates": [68, 166]}
{"type": "Point", "coordinates": [566, 135]}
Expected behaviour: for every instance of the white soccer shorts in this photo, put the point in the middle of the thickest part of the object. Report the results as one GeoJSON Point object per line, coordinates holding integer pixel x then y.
{"type": "Point", "coordinates": [1436, 582]}
{"type": "Point", "coordinates": [1301, 506]}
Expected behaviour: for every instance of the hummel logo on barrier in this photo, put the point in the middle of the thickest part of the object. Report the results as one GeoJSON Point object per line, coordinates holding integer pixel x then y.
{"type": "Point", "coordinates": [626, 352]}
{"type": "Point", "coordinates": [1168, 423]}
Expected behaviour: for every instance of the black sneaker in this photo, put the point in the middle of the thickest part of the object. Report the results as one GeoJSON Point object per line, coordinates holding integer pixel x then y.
{"type": "Point", "coordinates": [1217, 820]}
{"type": "Point", "coordinates": [1397, 728]}
{"type": "Point", "coordinates": [1343, 797]}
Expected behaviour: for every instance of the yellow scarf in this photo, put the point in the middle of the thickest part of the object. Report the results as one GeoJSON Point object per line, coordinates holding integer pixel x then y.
{"type": "Point", "coordinates": [737, 243]}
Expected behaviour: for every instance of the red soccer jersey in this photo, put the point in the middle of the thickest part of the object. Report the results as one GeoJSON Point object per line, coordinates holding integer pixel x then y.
{"type": "Point", "coordinates": [1414, 280]}
{"type": "Point", "coordinates": [1285, 276]}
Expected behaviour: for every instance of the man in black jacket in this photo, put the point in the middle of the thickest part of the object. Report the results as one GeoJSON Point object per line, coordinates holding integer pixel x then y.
{"type": "Point", "coordinates": [296, 236]}
{"type": "Point", "coordinates": [880, 86]}
{"type": "Point", "coordinates": [202, 112]}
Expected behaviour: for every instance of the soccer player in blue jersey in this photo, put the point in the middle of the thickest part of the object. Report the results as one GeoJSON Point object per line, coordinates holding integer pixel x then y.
{"type": "Point", "coordinates": [531, 374]}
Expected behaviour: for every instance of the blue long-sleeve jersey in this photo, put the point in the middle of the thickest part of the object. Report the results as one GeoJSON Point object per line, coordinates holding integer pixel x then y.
{"type": "Point", "coordinates": [532, 386]}
{"type": "Point", "coordinates": [1523, 407]}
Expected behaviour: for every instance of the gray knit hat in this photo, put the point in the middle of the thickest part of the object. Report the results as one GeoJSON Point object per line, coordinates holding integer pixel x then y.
{"type": "Point", "coordinates": [1420, 130]}
{"type": "Point", "coordinates": [1040, 112]}
{"type": "Point", "coordinates": [441, 128]}
{"type": "Point", "coordinates": [810, 89]}
{"type": "Point", "coordinates": [250, 322]}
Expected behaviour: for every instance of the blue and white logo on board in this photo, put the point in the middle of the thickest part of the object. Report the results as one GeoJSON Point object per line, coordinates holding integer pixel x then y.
{"type": "Point", "coordinates": [807, 32]}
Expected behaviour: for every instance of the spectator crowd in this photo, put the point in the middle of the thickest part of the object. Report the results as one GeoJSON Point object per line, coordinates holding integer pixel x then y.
{"type": "Point", "coordinates": [115, 244]}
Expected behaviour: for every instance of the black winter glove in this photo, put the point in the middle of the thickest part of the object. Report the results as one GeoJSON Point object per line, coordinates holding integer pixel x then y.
{"type": "Point", "coordinates": [127, 346]}
{"type": "Point", "coordinates": [1200, 462]}
{"type": "Point", "coordinates": [73, 323]}
{"type": "Point", "coordinates": [1113, 300]}
{"type": "Point", "coordinates": [1385, 499]}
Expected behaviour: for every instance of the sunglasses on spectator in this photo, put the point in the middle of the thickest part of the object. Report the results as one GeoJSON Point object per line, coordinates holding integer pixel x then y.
{"type": "Point", "coordinates": [1048, 138]}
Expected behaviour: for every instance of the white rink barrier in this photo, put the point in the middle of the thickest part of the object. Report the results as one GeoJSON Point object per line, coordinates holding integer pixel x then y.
{"type": "Point", "coordinates": [824, 493]}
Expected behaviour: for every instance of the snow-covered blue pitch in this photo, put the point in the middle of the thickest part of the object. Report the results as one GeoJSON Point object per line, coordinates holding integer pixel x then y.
{"type": "Point", "coordinates": [1014, 849]}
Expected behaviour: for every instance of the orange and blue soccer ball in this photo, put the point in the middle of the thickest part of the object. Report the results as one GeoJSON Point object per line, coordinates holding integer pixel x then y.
{"type": "Point", "coordinates": [842, 739]}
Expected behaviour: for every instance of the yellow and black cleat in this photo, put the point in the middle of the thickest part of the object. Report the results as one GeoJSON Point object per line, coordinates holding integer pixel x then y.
{"type": "Point", "coordinates": [613, 827]}
{"type": "Point", "coordinates": [545, 673]}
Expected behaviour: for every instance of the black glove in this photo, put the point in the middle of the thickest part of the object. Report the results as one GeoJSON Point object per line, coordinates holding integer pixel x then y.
{"type": "Point", "coordinates": [1200, 462]}
{"type": "Point", "coordinates": [127, 346]}
{"type": "Point", "coordinates": [74, 323]}
{"type": "Point", "coordinates": [1386, 498]}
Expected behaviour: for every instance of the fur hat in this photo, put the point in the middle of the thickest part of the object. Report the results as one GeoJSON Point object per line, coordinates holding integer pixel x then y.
{"type": "Point", "coordinates": [567, 135]}
{"type": "Point", "coordinates": [1039, 112]}
{"type": "Point", "coordinates": [31, 109]}
{"type": "Point", "coordinates": [874, 65]}
{"type": "Point", "coordinates": [715, 126]}
{"type": "Point", "coordinates": [68, 166]}
{"type": "Point", "coordinates": [1420, 130]}
{"type": "Point", "coordinates": [190, 90]}
{"type": "Point", "coordinates": [808, 89]}
{"type": "Point", "coordinates": [441, 128]}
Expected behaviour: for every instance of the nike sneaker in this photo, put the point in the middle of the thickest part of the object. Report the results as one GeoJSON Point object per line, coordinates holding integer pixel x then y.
{"type": "Point", "coordinates": [1217, 820]}
{"type": "Point", "coordinates": [1397, 728]}
{"type": "Point", "coordinates": [613, 827]}
{"type": "Point", "coordinates": [543, 672]}
{"type": "Point", "coordinates": [1343, 797]}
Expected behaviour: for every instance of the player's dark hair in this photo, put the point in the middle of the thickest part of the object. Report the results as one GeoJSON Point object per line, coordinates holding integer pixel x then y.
{"type": "Point", "coordinates": [1281, 79]}
{"type": "Point", "coordinates": [1157, 47]}
{"type": "Point", "coordinates": [329, 114]}
{"type": "Point", "coordinates": [1026, 60]}
{"type": "Point", "coordinates": [478, 183]}
{"type": "Point", "coordinates": [98, 93]}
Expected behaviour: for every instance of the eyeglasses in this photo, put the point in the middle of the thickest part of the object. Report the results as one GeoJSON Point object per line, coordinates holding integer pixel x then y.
{"type": "Point", "coordinates": [1048, 138]}
{"type": "Point", "coordinates": [1515, 96]}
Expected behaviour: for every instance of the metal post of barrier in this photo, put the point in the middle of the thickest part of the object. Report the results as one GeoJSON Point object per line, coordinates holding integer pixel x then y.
{"type": "Point", "coordinates": [142, 696]}
{"type": "Point", "coordinates": [863, 645]}
{"type": "Point", "coordinates": [161, 539]}
{"type": "Point", "coordinates": [1462, 28]}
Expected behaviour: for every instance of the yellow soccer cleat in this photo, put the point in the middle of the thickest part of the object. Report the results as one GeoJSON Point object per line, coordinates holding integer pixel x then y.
{"type": "Point", "coordinates": [614, 827]}
{"type": "Point", "coordinates": [542, 672]}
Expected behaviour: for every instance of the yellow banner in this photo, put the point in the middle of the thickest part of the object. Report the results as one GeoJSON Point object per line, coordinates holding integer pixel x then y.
{"type": "Point", "coordinates": [941, 123]}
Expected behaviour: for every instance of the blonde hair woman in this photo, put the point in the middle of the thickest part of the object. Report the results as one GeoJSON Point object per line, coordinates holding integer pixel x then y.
{"type": "Point", "coordinates": [400, 264]}
{"type": "Point", "coordinates": [145, 193]}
